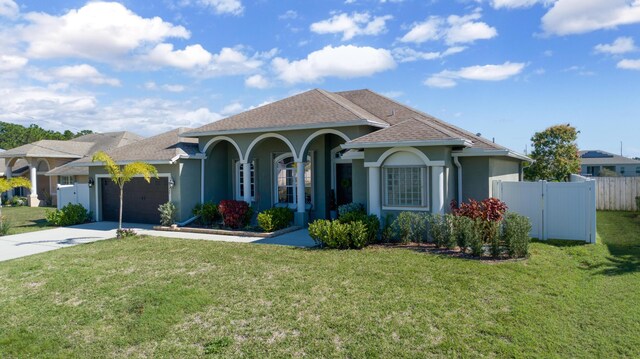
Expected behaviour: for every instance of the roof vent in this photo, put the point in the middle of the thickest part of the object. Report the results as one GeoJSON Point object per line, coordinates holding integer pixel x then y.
{"type": "Point", "coordinates": [479, 134]}
{"type": "Point", "coordinates": [392, 112]}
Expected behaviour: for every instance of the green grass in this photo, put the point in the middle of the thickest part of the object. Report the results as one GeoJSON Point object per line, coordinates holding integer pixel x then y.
{"type": "Point", "coordinates": [26, 219]}
{"type": "Point", "coordinates": [156, 297]}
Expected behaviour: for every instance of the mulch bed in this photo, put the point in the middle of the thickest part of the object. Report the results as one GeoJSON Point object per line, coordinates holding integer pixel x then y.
{"type": "Point", "coordinates": [455, 253]}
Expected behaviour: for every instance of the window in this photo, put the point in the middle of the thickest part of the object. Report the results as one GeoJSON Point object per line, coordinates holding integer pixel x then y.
{"type": "Point", "coordinates": [405, 186]}
{"type": "Point", "coordinates": [65, 180]}
{"type": "Point", "coordinates": [240, 181]}
{"type": "Point", "coordinates": [622, 169]}
{"type": "Point", "coordinates": [638, 170]}
{"type": "Point", "coordinates": [285, 180]}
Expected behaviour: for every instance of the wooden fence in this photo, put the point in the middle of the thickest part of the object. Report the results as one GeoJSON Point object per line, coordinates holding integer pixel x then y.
{"type": "Point", "coordinates": [617, 193]}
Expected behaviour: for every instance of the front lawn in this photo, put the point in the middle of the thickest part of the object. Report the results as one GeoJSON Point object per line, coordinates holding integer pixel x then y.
{"type": "Point", "coordinates": [157, 297]}
{"type": "Point", "coordinates": [26, 219]}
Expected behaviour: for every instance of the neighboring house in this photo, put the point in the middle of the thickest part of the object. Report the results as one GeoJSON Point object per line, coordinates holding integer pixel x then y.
{"type": "Point", "coordinates": [592, 162]}
{"type": "Point", "coordinates": [43, 162]}
{"type": "Point", "coordinates": [356, 146]}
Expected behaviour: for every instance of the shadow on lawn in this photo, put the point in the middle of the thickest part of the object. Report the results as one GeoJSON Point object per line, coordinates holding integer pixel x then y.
{"type": "Point", "coordinates": [623, 246]}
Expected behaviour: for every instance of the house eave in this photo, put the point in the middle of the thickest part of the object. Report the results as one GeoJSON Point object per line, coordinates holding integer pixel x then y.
{"type": "Point", "coordinates": [286, 128]}
{"type": "Point", "coordinates": [491, 153]}
{"type": "Point", "coordinates": [29, 155]}
{"type": "Point", "coordinates": [121, 163]}
{"type": "Point", "coordinates": [431, 143]}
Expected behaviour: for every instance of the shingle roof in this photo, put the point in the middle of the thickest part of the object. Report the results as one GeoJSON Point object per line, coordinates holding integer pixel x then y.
{"type": "Point", "coordinates": [163, 147]}
{"type": "Point", "coordinates": [597, 157]}
{"type": "Point", "coordinates": [407, 131]}
{"type": "Point", "coordinates": [75, 148]}
{"type": "Point", "coordinates": [311, 107]}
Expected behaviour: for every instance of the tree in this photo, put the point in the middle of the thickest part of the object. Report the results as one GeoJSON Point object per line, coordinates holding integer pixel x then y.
{"type": "Point", "coordinates": [13, 135]}
{"type": "Point", "coordinates": [9, 184]}
{"type": "Point", "coordinates": [120, 175]}
{"type": "Point", "coordinates": [555, 153]}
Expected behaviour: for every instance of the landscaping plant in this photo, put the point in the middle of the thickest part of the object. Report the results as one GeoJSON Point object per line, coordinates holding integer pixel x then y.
{"type": "Point", "coordinates": [126, 233]}
{"type": "Point", "coordinates": [337, 235]}
{"type": "Point", "coordinates": [235, 214]}
{"type": "Point", "coordinates": [441, 230]}
{"type": "Point", "coordinates": [121, 174]}
{"type": "Point", "coordinates": [515, 235]}
{"type": "Point", "coordinates": [462, 231]}
{"type": "Point", "coordinates": [371, 222]}
{"type": "Point", "coordinates": [5, 226]}
{"type": "Point", "coordinates": [7, 185]}
{"type": "Point", "coordinates": [275, 218]}
{"type": "Point", "coordinates": [351, 207]}
{"type": "Point", "coordinates": [207, 213]}
{"type": "Point", "coordinates": [69, 215]}
{"type": "Point", "coordinates": [410, 227]}
{"type": "Point", "coordinates": [167, 213]}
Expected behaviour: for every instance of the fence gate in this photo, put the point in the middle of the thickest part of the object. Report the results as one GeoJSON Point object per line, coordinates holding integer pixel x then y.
{"type": "Point", "coordinates": [557, 210]}
{"type": "Point", "coordinates": [76, 193]}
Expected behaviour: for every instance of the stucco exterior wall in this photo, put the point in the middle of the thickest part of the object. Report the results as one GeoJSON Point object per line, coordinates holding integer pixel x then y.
{"type": "Point", "coordinates": [475, 178]}
{"type": "Point", "coordinates": [503, 169]}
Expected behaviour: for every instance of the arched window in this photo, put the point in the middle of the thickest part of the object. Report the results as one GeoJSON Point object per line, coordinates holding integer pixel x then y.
{"type": "Point", "coordinates": [285, 180]}
{"type": "Point", "coordinates": [405, 182]}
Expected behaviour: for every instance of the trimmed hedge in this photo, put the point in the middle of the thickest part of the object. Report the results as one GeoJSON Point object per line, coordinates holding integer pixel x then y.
{"type": "Point", "coordinates": [515, 235]}
{"type": "Point", "coordinates": [338, 235]}
{"type": "Point", "coordinates": [208, 213]}
{"type": "Point", "coordinates": [235, 214]}
{"type": "Point", "coordinates": [69, 215]}
{"type": "Point", "coordinates": [371, 222]}
{"type": "Point", "coordinates": [275, 218]}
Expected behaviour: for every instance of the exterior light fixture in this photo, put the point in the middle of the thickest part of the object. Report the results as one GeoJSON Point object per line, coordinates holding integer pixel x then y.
{"type": "Point", "coordinates": [91, 182]}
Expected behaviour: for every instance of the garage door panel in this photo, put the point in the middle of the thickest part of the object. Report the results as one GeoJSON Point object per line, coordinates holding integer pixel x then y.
{"type": "Point", "coordinates": [141, 200]}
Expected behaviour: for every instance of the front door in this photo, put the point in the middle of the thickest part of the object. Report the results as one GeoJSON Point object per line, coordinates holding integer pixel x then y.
{"type": "Point", "coordinates": [344, 185]}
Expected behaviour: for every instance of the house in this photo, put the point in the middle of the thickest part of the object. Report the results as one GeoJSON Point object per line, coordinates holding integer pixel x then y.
{"type": "Point", "coordinates": [44, 163]}
{"type": "Point", "coordinates": [592, 162]}
{"type": "Point", "coordinates": [309, 151]}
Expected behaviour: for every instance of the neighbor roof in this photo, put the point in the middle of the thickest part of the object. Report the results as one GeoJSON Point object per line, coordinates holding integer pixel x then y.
{"type": "Point", "coordinates": [75, 148]}
{"type": "Point", "coordinates": [597, 157]}
{"type": "Point", "coordinates": [165, 147]}
{"type": "Point", "coordinates": [316, 108]}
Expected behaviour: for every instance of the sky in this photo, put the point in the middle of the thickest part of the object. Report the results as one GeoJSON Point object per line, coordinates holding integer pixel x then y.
{"type": "Point", "coordinates": [502, 68]}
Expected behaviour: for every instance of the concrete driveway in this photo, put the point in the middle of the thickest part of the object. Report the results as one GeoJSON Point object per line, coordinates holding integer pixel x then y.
{"type": "Point", "coordinates": [25, 244]}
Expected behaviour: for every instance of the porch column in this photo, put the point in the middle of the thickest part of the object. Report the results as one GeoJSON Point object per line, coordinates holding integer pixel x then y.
{"type": "Point", "coordinates": [301, 213]}
{"type": "Point", "coordinates": [9, 174]}
{"type": "Point", "coordinates": [437, 189]}
{"type": "Point", "coordinates": [246, 185]}
{"type": "Point", "coordinates": [33, 196]}
{"type": "Point", "coordinates": [374, 191]}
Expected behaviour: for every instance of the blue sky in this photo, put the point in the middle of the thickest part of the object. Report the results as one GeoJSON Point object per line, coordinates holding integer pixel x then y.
{"type": "Point", "coordinates": [504, 68]}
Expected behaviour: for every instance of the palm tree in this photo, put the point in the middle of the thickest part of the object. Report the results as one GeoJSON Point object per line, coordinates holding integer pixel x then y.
{"type": "Point", "coordinates": [121, 174]}
{"type": "Point", "coordinates": [9, 184]}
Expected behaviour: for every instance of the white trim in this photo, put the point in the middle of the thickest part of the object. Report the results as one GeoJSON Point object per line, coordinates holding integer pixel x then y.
{"type": "Point", "coordinates": [424, 209]}
{"type": "Point", "coordinates": [424, 189]}
{"type": "Point", "coordinates": [274, 176]}
{"type": "Point", "coordinates": [429, 143]}
{"type": "Point", "coordinates": [222, 138]}
{"type": "Point", "coordinates": [353, 155]}
{"type": "Point", "coordinates": [236, 179]}
{"type": "Point", "coordinates": [415, 151]}
{"type": "Point", "coordinates": [98, 189]}
{"type": "Point", "coordinates": [456, 161]}
{"type": "Point", "coordinates": [319, 133]}
{"type": "Point", "coordinates": [202, 167]}
{"type": "Point", "coordinates": [119, 163]}
{"type": "Point", "coordinates": [477, 152]}
{"type": "Point", "coordinates": [286, 128]}
{"type": "Point", "coordinates": [269, 135]}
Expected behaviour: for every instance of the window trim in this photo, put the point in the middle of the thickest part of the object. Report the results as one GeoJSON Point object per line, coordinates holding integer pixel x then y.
{"type": "Point", "coordinates": [239, 185]}
{"type": "Point", "coordinates": [426, 198]}
{"type": "Point", "coordinates": [71, 182]}
{"type": "Point", "coordinates": [280, 157]}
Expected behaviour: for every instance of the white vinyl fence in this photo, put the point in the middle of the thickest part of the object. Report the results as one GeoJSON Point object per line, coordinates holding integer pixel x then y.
{"type": "Point", "coordinates": [565, 210]}
{"type": "Point", "coordinates": [76, 193]}
{"type": "Point", "coordinates": [618, 193]}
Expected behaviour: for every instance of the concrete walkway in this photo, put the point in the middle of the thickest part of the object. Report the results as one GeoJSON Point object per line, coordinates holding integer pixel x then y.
{"type": "Point", "coordinates": [25, 244]}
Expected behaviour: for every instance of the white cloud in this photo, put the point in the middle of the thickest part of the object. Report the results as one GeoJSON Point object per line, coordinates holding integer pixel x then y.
{"type": "Point", "coordinates": [233, 61]}
{"type": "Point", "coordinates": [164, 55]}
{"type": "Point", "coordinates": [9, 8]}
{"type": "Point", "coordinates": [627, 64]}
{"type": "Point", "coordinates": [352, 25]}
{"type": "Point", "coordinates": [257, 81]}
{"type": "Point", "coordinates": [99, 30]}
{"type": "Point", "coordinates": [579, 16]}
{"type": "Point", "coordinates": [12, 63]}
{"type": "Point", "coordinates": [289, 14]}
{"type": "Point", "coordinates": [233, 7]}
{"type": "Point", "coordinates": [453, 30]}
{"type": "Point", "coordinates": [621, 45]}
{"type": "Point", "coordinates": [448, 78]}
{"type": "Point", "coordinates": [83, 73]}
{"type": "Point", "coordinates": [167, 87]}
{"type": "Point", "coordinates": [232, 109]}
{"type": "Point", "coordinates": [405, 54]}
{"type": "Point", "coordinates": [513, 4]}
{"type": "Point", "coordinates": [343, 61]}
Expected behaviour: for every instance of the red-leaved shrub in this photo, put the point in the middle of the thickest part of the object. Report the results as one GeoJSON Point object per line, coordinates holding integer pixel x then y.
{"type": "Point", "coordinates": [490, 209]}
{"type": "Point", "coordinates": [235, 214]}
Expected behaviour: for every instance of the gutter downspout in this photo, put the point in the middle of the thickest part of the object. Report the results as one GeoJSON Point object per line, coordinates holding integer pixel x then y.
{"type": "Point", "coordinates": [456, 160]}
{"type": "Point", "coordinates": [202, 181]}
{"type": "Point", "coordinates": [182, 224]}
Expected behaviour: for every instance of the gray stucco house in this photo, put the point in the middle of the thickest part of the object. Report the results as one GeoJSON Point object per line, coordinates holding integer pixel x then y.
{"type": "Point", "coordinates": [311, 151]}
{"type": "Point", "coordinates": [592, 162]}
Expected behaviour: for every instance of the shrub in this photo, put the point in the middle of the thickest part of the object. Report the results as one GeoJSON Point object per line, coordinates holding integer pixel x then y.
{"type": "Point", "coordinates": [491, 234]}
{"type": "Point", "coordinates": [167, 213]}
{"type": "Point", "coordinates": [490, 209]}
{"type": "Point", "coordinates": [208, 213]}
{"type": "Point", "coordinates": [410, 227]}
{"type": "Point", "coordinates": [334, 234]}
{"type": "Point", "coordinates": [638, 203]}
{"type": "Point", "coordinates": [5, 226]}
{"type": "Point", "coordinates": [275, 218]}
{"type": "Point", "coordinates": [17, 201]}
{"type": "Point", "coordinates": [515, 235]}
{"type": "Point", "coordinates": [441, 230]}
{"type": "Point", "coordinates": [69, 215]}
{"type": "Point", "coordinates": [475, 238]}
{"type": "Point", "coordinates": [350, 208]}
{"type": "Point", "coordinates": [462, 231]}
{"type": "Point", "coordinates": [371, 222]}
{"type": "Point", "coordinates": [125, 233]}
{"type": "Point", "coordinates": [235, 214]}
